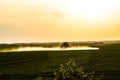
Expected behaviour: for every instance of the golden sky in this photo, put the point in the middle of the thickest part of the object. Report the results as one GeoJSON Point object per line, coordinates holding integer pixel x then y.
{"type": "Point", "coordinates": [59, 20]}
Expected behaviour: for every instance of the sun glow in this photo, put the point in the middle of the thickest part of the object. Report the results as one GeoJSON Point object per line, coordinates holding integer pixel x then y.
{"type": "Point", "coordinates": [89, 10]}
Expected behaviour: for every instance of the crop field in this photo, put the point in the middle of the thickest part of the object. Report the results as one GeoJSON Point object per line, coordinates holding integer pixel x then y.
{"type": "Point", "coordinates": [32, 64]}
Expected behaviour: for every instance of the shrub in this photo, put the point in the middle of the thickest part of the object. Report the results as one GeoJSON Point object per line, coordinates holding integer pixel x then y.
{"type": "Point", "coordinates": [71, 71]}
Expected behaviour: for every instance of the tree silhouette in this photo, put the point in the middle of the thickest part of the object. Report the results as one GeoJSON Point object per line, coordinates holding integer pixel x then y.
{"type": "Point", "coordinates": [65, 45]}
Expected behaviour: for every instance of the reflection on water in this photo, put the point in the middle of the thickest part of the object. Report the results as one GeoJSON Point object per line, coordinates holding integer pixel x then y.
{"type": "Point", "coordinates": [49, 49]}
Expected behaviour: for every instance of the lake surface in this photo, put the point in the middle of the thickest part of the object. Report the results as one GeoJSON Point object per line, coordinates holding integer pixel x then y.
{"type": "Point", "coordinates": [49, 49]}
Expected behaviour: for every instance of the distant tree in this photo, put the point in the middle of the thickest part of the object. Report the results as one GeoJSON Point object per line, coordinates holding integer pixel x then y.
{"type": "Point", "coordinates": [65, 45]}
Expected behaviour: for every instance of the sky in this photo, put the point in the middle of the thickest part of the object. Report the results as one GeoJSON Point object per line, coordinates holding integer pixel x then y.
{"type": "Point", "coordinates": [59, 20]}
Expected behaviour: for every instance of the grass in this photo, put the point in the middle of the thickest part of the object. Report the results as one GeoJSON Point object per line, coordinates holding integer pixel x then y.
{"type": "Point", "coordinates": [36, 62]}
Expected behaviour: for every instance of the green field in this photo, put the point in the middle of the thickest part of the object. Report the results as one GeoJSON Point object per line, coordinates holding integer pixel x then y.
{"type": "Point", "coordinates": [42, 62]}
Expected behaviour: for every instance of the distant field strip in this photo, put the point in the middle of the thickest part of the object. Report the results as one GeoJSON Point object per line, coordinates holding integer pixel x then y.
{"type": "Point", "coordinates": [19, 62]}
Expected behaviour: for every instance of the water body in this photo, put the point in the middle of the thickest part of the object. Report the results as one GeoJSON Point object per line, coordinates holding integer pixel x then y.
{"type": "Point", "coordinates": [49, 49]}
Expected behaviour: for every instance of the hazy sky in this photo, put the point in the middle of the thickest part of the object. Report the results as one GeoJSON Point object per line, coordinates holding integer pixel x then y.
{"type": "Point", "coordinates": [59, 20]}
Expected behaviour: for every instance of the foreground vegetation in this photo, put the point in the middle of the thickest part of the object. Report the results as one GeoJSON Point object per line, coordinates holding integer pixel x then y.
{"type": "Point", "coordinates": [71, 71]}
{"type": "Point", "coordinates": [42, 63]}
